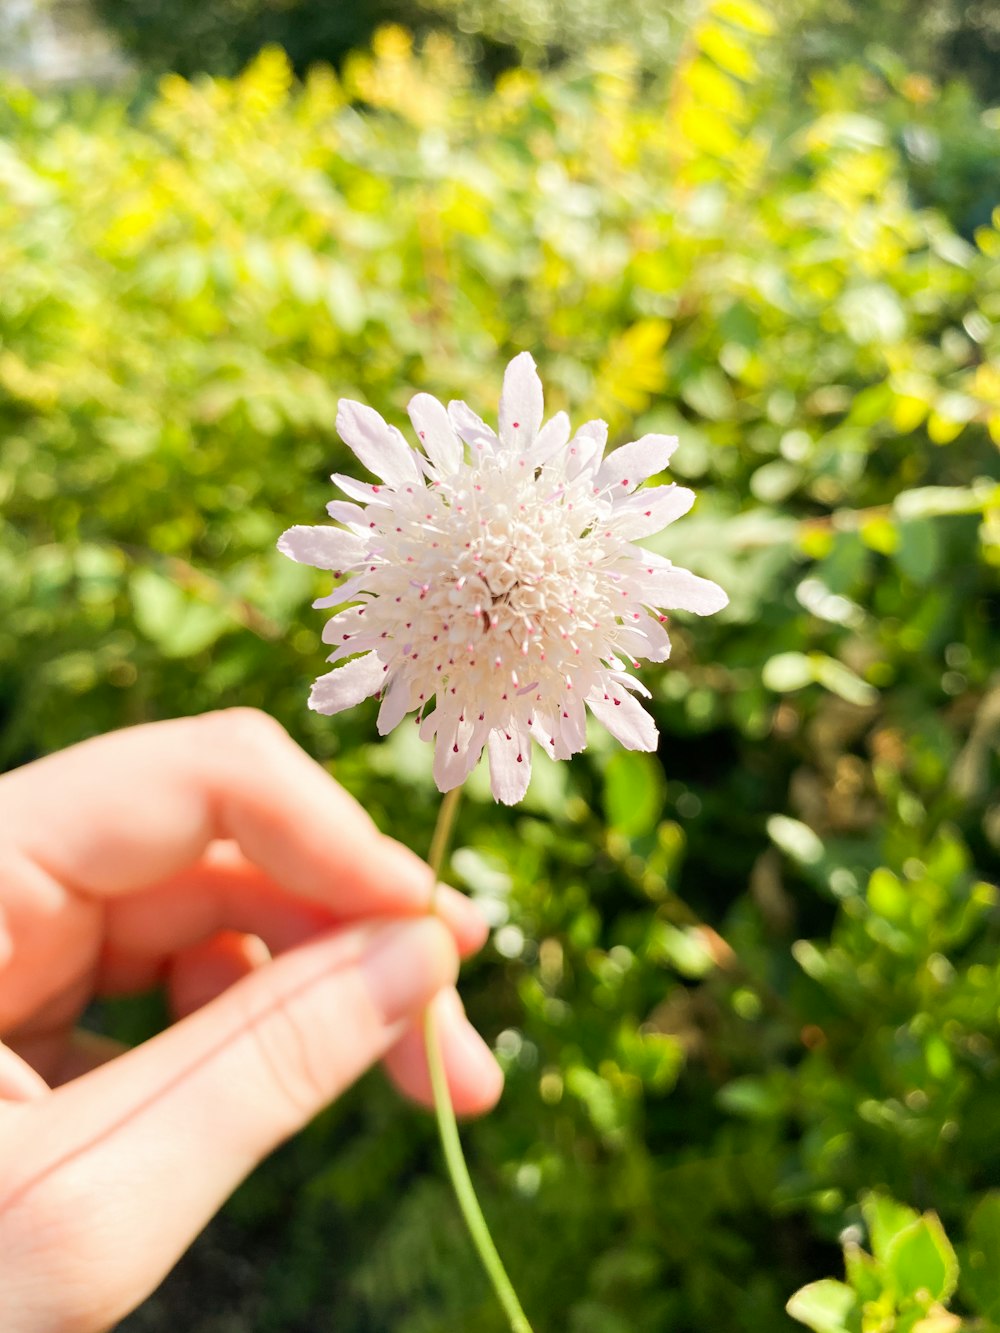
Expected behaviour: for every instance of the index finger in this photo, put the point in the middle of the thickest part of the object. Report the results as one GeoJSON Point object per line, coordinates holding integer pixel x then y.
{"type": "Point", "coordinates": [132, 808]}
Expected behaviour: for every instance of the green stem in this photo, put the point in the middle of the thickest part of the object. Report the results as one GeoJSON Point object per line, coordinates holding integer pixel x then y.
{"type": "Point", "coordinates": [447, 1125]}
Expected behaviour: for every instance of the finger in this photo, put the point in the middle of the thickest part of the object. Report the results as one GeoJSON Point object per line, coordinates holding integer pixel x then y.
{"type": "Point", "coordinates": [224, 890]}
{"type": "Point", "coordinates": [190, 1112]}
{"type": "Point", "coordinates": [127, 810]}
{"type": "Point", "coordinates": [43, 1039]}
{"type": "Point", "coordinates": [87, 1051]}
{"type": "Point", "coordinates": [203, 972]}
{"type": "Point", "coordinates": [18, 1081]}
{"type": "Point", "coordinates": [475, 1080]}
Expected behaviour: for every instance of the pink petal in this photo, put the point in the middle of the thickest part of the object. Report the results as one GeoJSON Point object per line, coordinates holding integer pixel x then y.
{"type": "Point", "coordinates": [645, 638]}
{"type": "Point", "coordinates": [376, 444]}
{"type": "Point", "coordinates": [509, 773]}
{"type": "Point", "coordinates": [347, 685]}
{"type": "Point", "coordinates": [521, 403]}
{"type": "Point", "coordinates": [573, 725]}
{"type": "Point", "coordinates": [472, 429]}
{"type": "Point", "coordinates": [680, 590]}
{"type": "Point", "coordinates": [351, 515]}
{"type": "Point", "coordinates": [349, 621]}
{"type": "Point", "coordinates": [626, 467]}
{"type": "Point", "coordinates": [436, 433]}
{"type": "Point", "coordinates": [344, 592]}
{"type": "Point", "coordinates": [360, 490]}
{"type": "Point", "coordinates": [586, 448]}
{"type": "Point", "coordinates": [628, 682]}
{"type": "Point", "coordinates": [625, 718]}
{"type": "Point", "coordinates": [456, 753]}
{"type": "Point", "coordinates": [549, 441]}
{"type": "Point", "coordinates": [650, 510]}
{"type": "Point", "coordinates": [326, 548]}
{"type": "Point", "coordinates": [395, 704]}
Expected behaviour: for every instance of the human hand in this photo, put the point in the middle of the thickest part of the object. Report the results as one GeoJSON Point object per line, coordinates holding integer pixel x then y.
{"type": "Point", "coordinates": [212, 855]}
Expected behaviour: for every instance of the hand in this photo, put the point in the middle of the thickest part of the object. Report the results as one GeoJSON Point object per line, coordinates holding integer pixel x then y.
{"type": "Point", "coordinates": [213, 856]}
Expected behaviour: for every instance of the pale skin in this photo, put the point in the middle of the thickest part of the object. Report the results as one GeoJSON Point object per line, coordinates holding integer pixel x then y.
{"type": "Point", "coordinates": [296, 945]}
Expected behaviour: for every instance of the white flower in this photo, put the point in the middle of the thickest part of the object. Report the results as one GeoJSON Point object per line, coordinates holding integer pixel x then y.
{"type": "Point", "coordinates": [497, 590]}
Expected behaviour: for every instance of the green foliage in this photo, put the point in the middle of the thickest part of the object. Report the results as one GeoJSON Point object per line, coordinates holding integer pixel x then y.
{"type": "Point", "coordinates": [904, 1286]}
{"type": "Point", "coordinates": [737, 988]}
{"type": "Point", "coordinates": [188, 36]}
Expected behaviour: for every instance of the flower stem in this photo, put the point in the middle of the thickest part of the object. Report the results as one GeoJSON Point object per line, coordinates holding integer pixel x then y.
{"type": "Point", "coordinates": [445, 1112]}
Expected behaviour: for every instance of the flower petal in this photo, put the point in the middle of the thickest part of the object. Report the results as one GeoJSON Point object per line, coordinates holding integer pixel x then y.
{"type": "Point", "coordinates": [510, 765]}
{"type": "Point", "coordinates": [647, 638]}
{"type": "Point", "coordinates": [347, 685]}
{"type": "Point", "coordinates": [572, 730]}
{"type": "Point", "coordinates": [325, 548]}
{"type": "Point", "coordinates": [380, 447]}
{"type": "Point", "coordinates": [436, 433]}
{"type": "Point", "coordinates": [680, 590]}
{"type": "Point", "coordinates": [586, 448]}
{"type": "Point", "coordinates": [521, 403]}
{"type": "Point", "coordinates": [359, 490]}
{"type": "Point", "coordinates": [650, 510]}
{"type": "Point", "coordinates": [550, 439]}
{"type": "Point", "coordinates": [344, 592]}
{"type": "Point", "coordinates": [624, 717]}
{"type": "Point", "coordinates": [472, 429]}
{"type": "Point", "coordinates": [352, 516]}
{"type": "Point", "coordinates": [626, 467]}
{"type": "Point", "coordinates": [395, 704]}
{"type": "Point", "coordinates": [456, 752]}
{"type": "Point", "coordinates": [349, 621]}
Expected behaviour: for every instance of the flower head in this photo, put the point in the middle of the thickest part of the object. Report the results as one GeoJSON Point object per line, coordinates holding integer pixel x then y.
{"type": "Point", "coordinates": [494, 585]}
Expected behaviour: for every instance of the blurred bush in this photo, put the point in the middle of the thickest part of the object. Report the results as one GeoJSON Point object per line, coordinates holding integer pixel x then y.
{"type": "Point", "coordinates": [945, 39]}
{"type": "Point", "coordinates": [737, 986]}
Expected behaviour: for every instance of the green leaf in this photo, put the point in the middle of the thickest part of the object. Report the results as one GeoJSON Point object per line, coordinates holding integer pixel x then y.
{"type": "Point", "coordinates": [980, 1282]}
{"type": "Point", "coordinates": [634, 792]}
{"type": "Point", "coordinates": [745, 14]}
{"type": "Point", "coordinates": [795, 839]}
{"type": "Point", "coordinates": [921, 1261]}
{"type": "Point", "coordinates": [863, 1273]}
{"type": "Point", "coordinates": [787, 671]}
{"type": "Point", "coordinates": [171, 618]}
{"type": "Point", "coordinates": [933, 501]}
{"type": "Point", "coordinates": [824, 1306]}
{"type": "Point", "coordinates": [842, 681]}
{"type": "Point", "coordinates": [885, 1218]}
{"type": "Point", "coordinates": [684, 949]}
{"type": "Point", "coordinates": [887, 897]}
{"type": "Point", "coordinates": [754, 1098]}
{"type": "Point", "coordinates": [919, 552]}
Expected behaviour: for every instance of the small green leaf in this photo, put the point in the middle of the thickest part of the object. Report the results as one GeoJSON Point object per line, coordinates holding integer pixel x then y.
{"type": "Point", "coordinates": [795, 839]}
{"type": "Point", "coordinates": [634, 792]}
{"type": "Point", "coordinates": [175, 621]}
{"type": "Point", "coordinates": [886, 895]}
{"type": "Point", "coordinates": [685, 950]}
{"type": "Point", "coordinates": [885, 1218]}
{"type": "Point", "coordinates": [746, 14]}
{"type": "Point", "coordinates": [823, 1306]}
{"type": "Point", "coordinates": [841, 680]}
{"type": "Point", "coordinates": [981, 1258]}
{"type": "Point", "coordinates": [919, 551]}
{"type": "Point", "coordinates": [921, 1261]}
{"type": "Point", "coordinates": [787, 671]}
{"type": "Point", "coordinates": [863, 1273]}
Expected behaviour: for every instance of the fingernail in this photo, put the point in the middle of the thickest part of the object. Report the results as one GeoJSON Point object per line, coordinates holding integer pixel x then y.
{"type": "Point", "coordinates": [406, 964]}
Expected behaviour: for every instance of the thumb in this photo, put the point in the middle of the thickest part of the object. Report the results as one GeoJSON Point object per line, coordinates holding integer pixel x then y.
{"type": "Point", "coordinates": [119, 1170]}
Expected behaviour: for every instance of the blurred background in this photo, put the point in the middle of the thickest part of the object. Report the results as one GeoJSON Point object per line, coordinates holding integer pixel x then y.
{"type": "Point", "coordinates": [746, 991]}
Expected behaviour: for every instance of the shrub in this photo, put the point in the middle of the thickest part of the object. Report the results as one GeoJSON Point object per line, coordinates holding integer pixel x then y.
{"type": "Point", "coordinates": [737, 985]}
